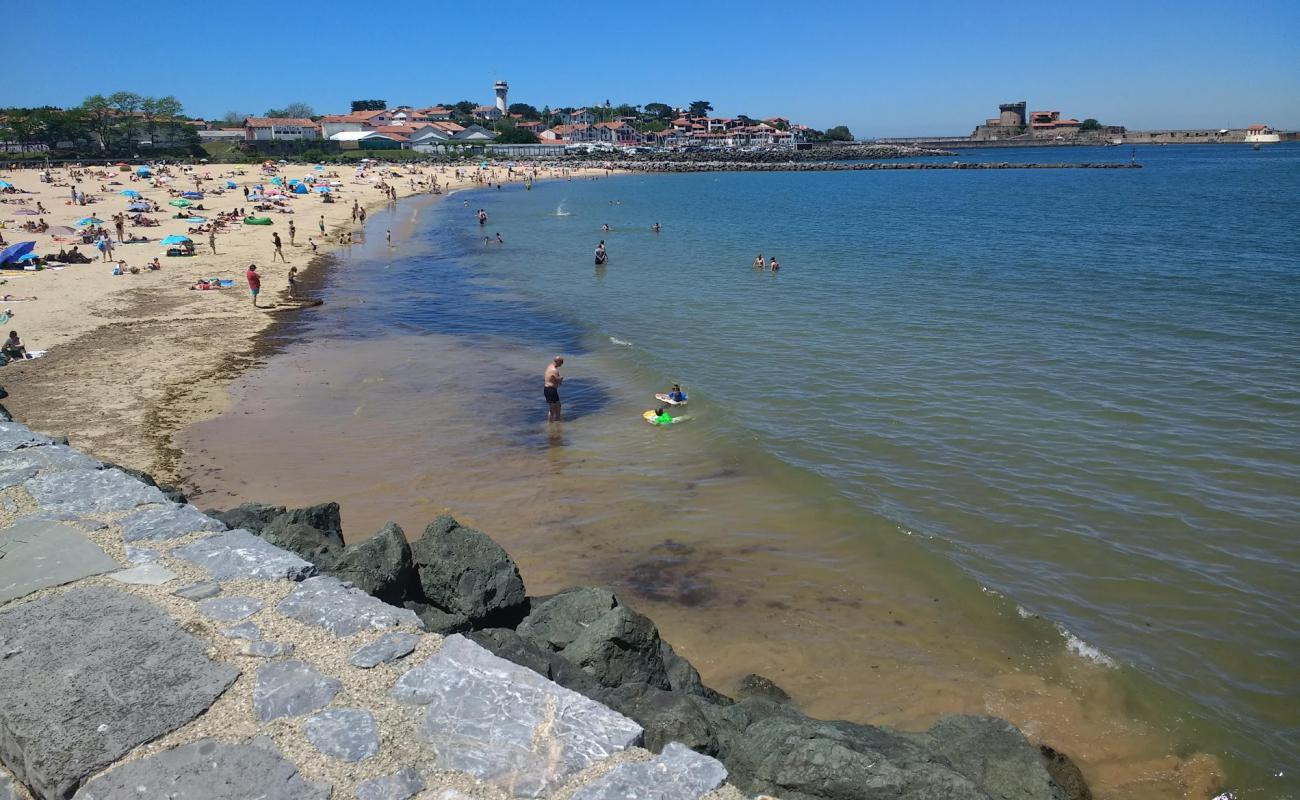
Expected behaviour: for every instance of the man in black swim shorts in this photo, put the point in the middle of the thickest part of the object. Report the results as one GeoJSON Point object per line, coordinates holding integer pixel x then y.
{"type": "Point", "coordinates": [551, 388]}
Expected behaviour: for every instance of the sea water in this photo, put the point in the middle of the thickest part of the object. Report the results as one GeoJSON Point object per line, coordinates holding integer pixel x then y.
{"type": "Point", "coordinates": [1023, 442]}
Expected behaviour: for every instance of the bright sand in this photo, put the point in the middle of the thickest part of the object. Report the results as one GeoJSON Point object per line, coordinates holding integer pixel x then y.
{"type": "Point", "coordinates": [134, 358]}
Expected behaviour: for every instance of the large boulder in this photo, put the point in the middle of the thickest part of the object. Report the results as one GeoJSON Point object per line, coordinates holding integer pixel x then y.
{"type": "Point", "coordinates": [666, 716]}
{"type": "Point", "coordinates": [316, 546]}
{"type": "Point", "coordinates": [438, 621]}
{"type": "Point", "coordinates": [249, 516]}
{"type": "Point", "coordinates": [995, 755]}
{"type": "Point", "coordinates": [512, 647]}
{"type": "Point", "coordinates": [1065, 773]}
{"type": "Point", "coordinates": [606, 639]}
{"type": "Point", "coordinates": [462, 571]}
{"type": "Point", "coordinates": [753, 685]}
{"type": "Point", "coordinates": [324, 517]}
{"type": "Point", "coordinates": [684, 678]}
{"type": "Point", "coordinates": [380, 566]}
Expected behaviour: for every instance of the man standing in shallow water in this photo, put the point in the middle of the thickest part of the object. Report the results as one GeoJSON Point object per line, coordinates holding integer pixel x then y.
{"type": "Point", "coordinates": [551, 388]}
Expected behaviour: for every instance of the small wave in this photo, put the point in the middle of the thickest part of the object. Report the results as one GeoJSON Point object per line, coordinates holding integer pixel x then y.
{"type": "Point", "coordinates": [1084, 650]}
{"type": "Point", "coordinates": [619, 342]}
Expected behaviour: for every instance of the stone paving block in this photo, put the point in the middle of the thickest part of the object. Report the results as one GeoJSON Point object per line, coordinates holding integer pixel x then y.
{"type": "Point", "coordinates": [239, 554]}
{"type": "Point", "coordinates": [265, 649]}
{"type": "Point", "coordinates": [15, 474]}
{"type": "Point", "coordinates": [401, 785]}
{"type": "Point", "coordinates": [142, 555]}
{"type": "Point", "coordinates": [291, 688]}
{"type": "Point", "coordinates": [59, 516]}
{"type": "Point", "coordinates": [348, 734]}
{"type": "Point", "coordinates": [7, 791]}
{"type": "Point", "coordinates": [168, 521]}
{"type": "Point", "coordinates": [244, 630]}
{"type": "Point", "coordinates": [38, 555]}
{"type": "Point", "coordinates": [54, 457]}
{"type": "Point", "coordinates": [14, 435]}
{"type": "Point", "coordinates": [206, 770]}
{"type": "Point", "coordinates": [230, 609]}
{"type": "Point", "coordinates": [506, 724]}
{"type": "Point", "coordinates": [678, 773]}
{"type": "Point", "coordinates": [341, 609]}
{"type": "Point", "coordinates": [145, 575]}
{"type": "Point", "coordinates": [91, 491]}
{"type": "Point", "coordinates": [389, 647]}
{"type": "Point", "coordinates": [200, 590]}
{"type": "Point", "coordinates": [96, 673]}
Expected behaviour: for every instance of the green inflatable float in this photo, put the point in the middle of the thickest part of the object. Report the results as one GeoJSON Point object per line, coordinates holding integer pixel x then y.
{"type": "Point", "coordinates": [257, 220]}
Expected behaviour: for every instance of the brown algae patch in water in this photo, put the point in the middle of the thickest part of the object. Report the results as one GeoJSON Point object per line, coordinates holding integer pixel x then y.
{"type": "Point", "coordinates": [741, 565]}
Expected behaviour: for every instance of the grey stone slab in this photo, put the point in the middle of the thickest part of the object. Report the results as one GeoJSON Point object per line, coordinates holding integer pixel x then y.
{"type": "Point", "coordinates": [14, 435]}
{"type": "Point", "coordinates": [265, 649]}
{"type": "Point", "coordinates": [244, 630]}
{"type": "Point", "coordinates": [38, 555]}
{"type": "Point", "coordinates": [678, 773]}
{"type": "Point", "coordinates": [15, 474]}
{"type": "Point", "coordinates": [401, 785]}
{"type": "Point", "coordinates": [170, 521]}
{"type": "Point", "coordinates": [206, 770]}
{"type": "Point", "coordinates": [54, 457]}
{"type": "Point", "coordinates": [348, 734]}
{"type": "Point", "coordinates": [389, 647]}
{"type": "Point", "coordinates": [145, 575]}
{"type": "Point", "coordinates": [142, 555]}
{"type": "Point", "coordinates": [200, 590]}
{"type": "Point", "coordinates": [230, 609]}
{"type": "Point", "coordinates": [341, 609]}
{"type": "Point", "coordinates": [97, 673]}
{"type": "Point", "coordinates": [506, 724]}
{"type": "Point", "coordinates": [7, 790]}
{"type": "Point", "coordinates": [291, 688]}
{"type": "Point", "coordinates": [60, 516]}
{"type": "Point", "coordinates": [239, 554]}
{"type": "Point", "coordinates": [91, 491]}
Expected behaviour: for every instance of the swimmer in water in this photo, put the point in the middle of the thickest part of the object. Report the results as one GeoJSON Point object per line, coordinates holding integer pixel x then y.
{"type": "Point", "coordinates": [775, 264]}
{"type": "Point", "coordinates": [661, 417]}
{"type": "Point", "coordinates": [759, 263]}
{"type": "Point", "coordinates": [605, 227]}
{"type": "Point", "coordinates": [655, 227]}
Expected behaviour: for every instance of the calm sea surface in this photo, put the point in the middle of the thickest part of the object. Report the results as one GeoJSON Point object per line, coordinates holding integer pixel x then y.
{"type": "Point", "coordinates": [1061, 406]}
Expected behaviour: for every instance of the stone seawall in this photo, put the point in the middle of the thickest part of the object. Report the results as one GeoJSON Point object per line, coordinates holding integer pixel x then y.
{"type": "Point", "coordinates": [839, 166]}
{"type": "Point", "coordinates": [150, 650]}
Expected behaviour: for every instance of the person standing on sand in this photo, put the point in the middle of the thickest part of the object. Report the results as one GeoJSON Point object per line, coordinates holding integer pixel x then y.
{"type": "Point", "coordinates": [275, 240]}
{"type": "Point", "coordinates": [293, 283]}
{"type": "Point", "coordinates": [361, 215]}
{"type": "Point", "coordinates": [354, 210]}
{"type": "Point", "coordinates": [212, 240]}
{"type": "Point", "coordinates": [292, 231]}
{"type": "Point", "coordinates": [321, 225]}
{"type": "Point", "coordinates": [551, 381]}
{"type": "Point", "coordinates": [254, 282]}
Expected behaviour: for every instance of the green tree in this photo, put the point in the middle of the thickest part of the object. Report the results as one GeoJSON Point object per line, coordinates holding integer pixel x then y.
{"type": "Point", "coordinates": [625, 110]}
{"type": "Point", "coordinates": [524, 110]}
{"type": "Point", "coordinates": [126, 104]}
{"type": "Point", "coordinates": [369, 105]}
{"type": "Point", "coordinates": [1090, 124]}
{"type": "Point", "coordinates": [509, 133]}
{"type": "Point", "coordinates": [465, 107]}
{"type": "Point", "coordinates": [652, 126]}
{"type": "Point", "coordinates": [100, 112]}
{"type": "Point", "coordinates": [168, 111]}
{"type": "Point", "coordinates": [700, 108]}
{"type": "Point", "coordinates": [661, 111]}
{"type": "Point", "coordinates": [840, 133]}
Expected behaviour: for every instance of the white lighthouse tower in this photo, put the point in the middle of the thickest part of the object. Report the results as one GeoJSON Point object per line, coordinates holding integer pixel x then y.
{"type": "Point", "coordinates": [502, 88]}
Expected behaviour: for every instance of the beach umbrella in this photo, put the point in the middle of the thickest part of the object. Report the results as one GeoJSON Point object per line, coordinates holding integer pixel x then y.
{"type": "Point", "coordinates": [277, 181]}
{"type": "Point", "coordinates": [121, 164]}
{"type": "Point", "coordinates": [130, 193]}
{"type": "Point", "coordinates": [176, 238]}
{"type": "Point", "coordinates": [90, 221]}
{"type": "Point", "coordinates": [231, 185]}
{"type": "Point", "coordinates": [319, 167]}
{"type": "Point", "coordinates": [193, 195]}
{"type": "Point", "coordinates": [300, 188]}
{"type": "Point", "coordinates": [324, 189]}
{"type": "Point", "coordinates": [26, 257]}
{"type": "Point", "coordinates": [272, 191]}
{"type": "Point", "coordinates": [16, 251]}
{"type": "Point", "coordinates": [6, 185]}
{"type": "Point", "coordinates": [196, 220]}
{"type": "Point", "coordinates": [178, 203]}
{"type": "Point", "coordinates": [142, 171]}
{"type": "Point", "coordinates": [61, 230]}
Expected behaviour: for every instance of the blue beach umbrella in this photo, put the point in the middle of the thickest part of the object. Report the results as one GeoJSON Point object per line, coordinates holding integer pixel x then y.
{"type": "Point", "coordinates": [324, 189]}
{"type": "Point", "coordinates": [142, 171]}
{"type": "Point", "coordinates": [14, 252]}
{"type": "Point", "coordinates": [231, 185]}
{"type": "Point", "coordinates": [6, 185]}
{"type": "Point", "coordinates": [176, 238]}
{"type": "Point", "coordinates": [138, 207]}
{"type": "Point", "coordinates": [300, 189]}
{"type": "Point", "coordinates": [319, 167]}
{"type": "Point", "coordinates": [26, 257]}
{"type": "Point", "coordinates": [90, 221]}
{"type": "Point", "coordinates": [277, 181]}
{"type": "Point", "coordinates": [130, 193]}
{"type": "Point", "coordinates": [192, 195]}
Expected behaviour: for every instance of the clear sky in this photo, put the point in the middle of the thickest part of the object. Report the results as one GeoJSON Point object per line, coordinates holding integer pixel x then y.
{"type": "Point", "coordinates": [923, 68]}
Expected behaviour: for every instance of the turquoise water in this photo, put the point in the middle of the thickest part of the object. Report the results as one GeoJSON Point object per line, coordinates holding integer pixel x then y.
{"type": "Point", "coordinates": [1080, 387]}
{"type": "Point", "coordinates": [1084, 387]}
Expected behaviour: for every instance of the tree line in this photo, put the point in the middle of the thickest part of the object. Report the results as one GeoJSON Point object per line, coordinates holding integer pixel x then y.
{"type": "Point", "coordinates": [119, 122]}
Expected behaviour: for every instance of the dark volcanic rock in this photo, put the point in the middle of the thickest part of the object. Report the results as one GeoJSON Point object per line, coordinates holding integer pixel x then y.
{"type": "Point", "coordinates": [324, 518]}
{"type": "Point", "coordinates": [665, 716]}
{"type": "Point", "coordinates": [757, 686]}
{"type": "Point", "coordinates": [1065, 773]}
{"type": "Point", "coordinates": [381, 566]}
{"type": "Point", "coordinates": [995, 755]}
{"type": "Point", "coordinates": [462, 571]}
{"type": "Point", "coordinates": [511, 646]}
{"type": "Point", "coordinates": [317, 546]}
{"type": "Point", "coordinates": [683, 677]}
{"type": "Point", "coordinates": [249, 516]}
{"type": "Point", "coordinates": [606, 639]}
{"type": "Point", "coordinates": [438, 621]}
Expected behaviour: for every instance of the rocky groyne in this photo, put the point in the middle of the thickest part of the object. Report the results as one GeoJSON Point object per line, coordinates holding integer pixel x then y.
{"type": "Point", "coordinates": [149, 650]}
{"type": "Point", "coordinates": [703, 165]}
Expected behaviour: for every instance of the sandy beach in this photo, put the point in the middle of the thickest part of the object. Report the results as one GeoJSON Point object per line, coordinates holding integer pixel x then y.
{"type": "Point", "coordinates": [131, 359]}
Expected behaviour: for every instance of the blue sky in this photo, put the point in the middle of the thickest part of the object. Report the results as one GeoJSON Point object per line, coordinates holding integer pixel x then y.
{"type": "Point", "coordinates": [927, 68]}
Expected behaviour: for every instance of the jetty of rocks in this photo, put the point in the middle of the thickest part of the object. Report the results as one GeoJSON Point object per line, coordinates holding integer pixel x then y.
{"type": "Point", "coordinates": [149, 650]}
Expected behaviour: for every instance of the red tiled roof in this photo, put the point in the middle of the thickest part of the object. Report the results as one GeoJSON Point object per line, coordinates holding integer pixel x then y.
{"type": "Point", "coordinates": [268, 122]}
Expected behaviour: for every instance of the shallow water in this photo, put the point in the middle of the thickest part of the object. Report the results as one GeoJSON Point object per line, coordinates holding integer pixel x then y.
{"type": "Point", "coordinates": [971, 408]}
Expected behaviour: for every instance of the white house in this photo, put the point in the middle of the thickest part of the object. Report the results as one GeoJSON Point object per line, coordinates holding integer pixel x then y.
{"type": "Point", "coordinates": [475, 133]}
{"type": "Point", "coordinates": [338, 123]}
{"type": "Point", "coordinates": [266, 129]}
{"type": "Point", "coordinates": [487, 112]}
{"type": "Point", "coordinates": [579, 116]}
